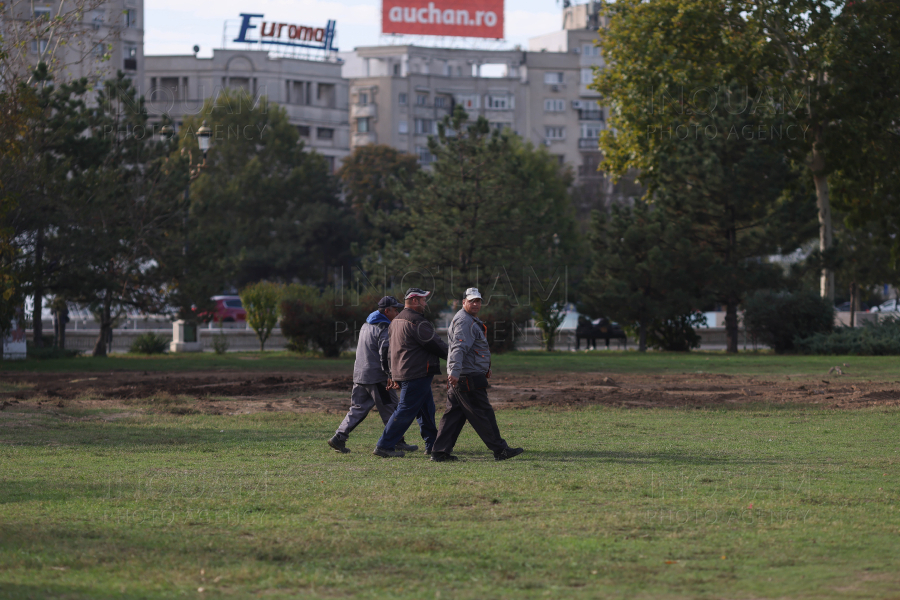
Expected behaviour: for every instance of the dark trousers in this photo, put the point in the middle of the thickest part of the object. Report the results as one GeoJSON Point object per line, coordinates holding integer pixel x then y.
{"type": "Point", "coordinates": [363, 398]}
{"type": "Point", "coordinates": [416, 402]}
{"type": "Point", "coordinates": [475, 408]}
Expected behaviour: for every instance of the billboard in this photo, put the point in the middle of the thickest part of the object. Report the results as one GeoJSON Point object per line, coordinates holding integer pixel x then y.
{"type": "Point", "coordinates": [462, 18]}
{"type": "Point", "coordinates": [286, 34]}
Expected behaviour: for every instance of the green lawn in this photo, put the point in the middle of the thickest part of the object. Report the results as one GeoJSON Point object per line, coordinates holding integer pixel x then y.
{"type": "Point", "coordinates": [758, 502]}
{"type": "Point", "coordinates": [764, 364]}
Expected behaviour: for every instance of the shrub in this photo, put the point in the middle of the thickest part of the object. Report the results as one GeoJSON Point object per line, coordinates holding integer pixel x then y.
{"type": "Point", "coordinates": [261, 301]}
{"type": "Point", "coordinates": [49, 352]}
{"type": "Point", "coordinates": [778, 319]}
{"type": "Point", "coordinates": [149, 343]}
{"type": "Point", "coordinates": [872, 339]}
{"type": "Point", "coordinates": [310, 318]}
{"type": "Point", "coordinates": [220, 342]}
{"type": "Point", "coordinates": [676, 335]}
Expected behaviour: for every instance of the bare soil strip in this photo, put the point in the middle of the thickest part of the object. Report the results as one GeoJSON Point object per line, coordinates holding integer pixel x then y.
{"type": "Point", "coordinates": [245, 392]}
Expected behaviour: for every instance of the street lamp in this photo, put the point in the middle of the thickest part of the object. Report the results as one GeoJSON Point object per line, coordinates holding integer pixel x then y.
{"type": "Point", "coordinates": [204, 137]}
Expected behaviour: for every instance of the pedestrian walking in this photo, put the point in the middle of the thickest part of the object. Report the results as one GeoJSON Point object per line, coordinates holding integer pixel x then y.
{"type": "Point", "coordinates": [370, 375]}
{"type": "Point", "coordinates": [415, 353]}
{"type": "Point", "coordinates": [468, 371]}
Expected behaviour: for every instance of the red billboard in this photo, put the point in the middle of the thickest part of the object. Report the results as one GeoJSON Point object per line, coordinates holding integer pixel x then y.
{"type": "Point", "coordinates": [462, 18]}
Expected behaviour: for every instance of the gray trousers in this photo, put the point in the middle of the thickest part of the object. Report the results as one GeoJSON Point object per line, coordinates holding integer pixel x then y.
{"type": "Point", "coordinates": [363, 398]}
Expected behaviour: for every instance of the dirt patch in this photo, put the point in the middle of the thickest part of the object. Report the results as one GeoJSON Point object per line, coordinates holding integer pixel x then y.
{"type": "Point", "coordinates": [241, 392]}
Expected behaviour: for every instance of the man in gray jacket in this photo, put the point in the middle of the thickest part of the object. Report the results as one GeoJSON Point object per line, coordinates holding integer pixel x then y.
{"type": "Point", "coordinates": [370, 379]}
{"type": "Point", "coordinates": [468, 370]}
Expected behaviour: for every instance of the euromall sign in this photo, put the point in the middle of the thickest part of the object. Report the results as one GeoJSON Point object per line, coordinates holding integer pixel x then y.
{"type": "Point", "coordinates": [286, 34]}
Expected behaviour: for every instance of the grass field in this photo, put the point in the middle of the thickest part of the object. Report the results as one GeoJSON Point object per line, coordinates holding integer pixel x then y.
{"type": "Point", "coordinates": [752, 502]}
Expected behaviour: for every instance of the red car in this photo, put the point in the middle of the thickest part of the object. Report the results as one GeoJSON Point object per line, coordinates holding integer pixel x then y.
{"type": "Point", "coordinates": [228, 309]}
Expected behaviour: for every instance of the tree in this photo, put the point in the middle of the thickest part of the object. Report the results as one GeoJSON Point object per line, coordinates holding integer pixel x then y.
{"type": "Point", "coordinates": [494, 211]}
{"type": "Point", "coordinates": [645, 268]}
{"type": "Point", "coordinates": [265, 207]}
{"type": "Point", "coordinates": [261, 301]}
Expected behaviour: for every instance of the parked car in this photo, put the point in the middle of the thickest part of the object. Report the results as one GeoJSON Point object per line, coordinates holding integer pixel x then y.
{"type": "Point", "coordinates": [889, 306]}
{"type": "Point", "coordinates": [845, 307]}
{"type": "Point", "coordinates": [229, 309]}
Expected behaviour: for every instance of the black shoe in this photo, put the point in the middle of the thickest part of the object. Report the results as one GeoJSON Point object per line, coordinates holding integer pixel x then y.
{"type": "Point", "coordinates": [427, 451]}
{"type": "Point", "coordinates": [443, 457]}
{"type": "Point", "coordinates": [508, 453]}
{"type": "Point", "coordinates": [402, 445]}
{"type": "Point", "coordinates": [339, 445]}
{"type": "Point", "coordinates": [384, 453]}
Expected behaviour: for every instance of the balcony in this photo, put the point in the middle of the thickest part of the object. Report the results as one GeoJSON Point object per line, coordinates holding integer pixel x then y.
{"type": "Point", "coordinates": [590, 115]}
{"type": "Point", "coordinates": [358, 111]}
{"type": "Point", "coordinates": [589, 143]}
{"type": "Point", "coordinates": [363, 139]}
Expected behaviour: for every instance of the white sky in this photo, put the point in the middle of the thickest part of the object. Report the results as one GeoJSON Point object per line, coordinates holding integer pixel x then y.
{"type": "Point", "coordinates": [174, 26]}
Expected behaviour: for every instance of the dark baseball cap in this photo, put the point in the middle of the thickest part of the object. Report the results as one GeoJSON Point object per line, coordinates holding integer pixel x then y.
{"type": "Point", "coordinates": [389, 302]}
{"type": "Point", "coordinates": [413, 292]}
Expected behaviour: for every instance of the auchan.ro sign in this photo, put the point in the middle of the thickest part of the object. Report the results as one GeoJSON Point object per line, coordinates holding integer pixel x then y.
{"type": "Point", "coordinates": [286, 34]}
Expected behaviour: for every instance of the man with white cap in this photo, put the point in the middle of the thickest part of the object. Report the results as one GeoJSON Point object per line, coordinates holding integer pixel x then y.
{"type": "Point", "coordinates": [468, 370]}
{"type": "Point", "coordinates": [370, 376]}
{"type": "Point", "coordinates": [415, 353]}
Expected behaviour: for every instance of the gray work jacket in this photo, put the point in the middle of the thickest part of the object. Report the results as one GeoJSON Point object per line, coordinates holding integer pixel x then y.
{"type": "Point", "coordinates": [469, 352]}
{"type": "Point", "coordinates": [373, 340]}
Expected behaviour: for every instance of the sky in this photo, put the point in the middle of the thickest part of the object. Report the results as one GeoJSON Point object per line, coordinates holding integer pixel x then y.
{"type": "Point", "coordinates": [175, 26]}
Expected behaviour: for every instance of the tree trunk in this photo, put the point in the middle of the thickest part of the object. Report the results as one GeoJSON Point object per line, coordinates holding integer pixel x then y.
{"type": "Point", "coordinates": [854, 293]}
{"type": "Point", "coordinates": [262, 345]}
{"type": "Point", "coordinates": [105, 326]}
{"type": "Point", "coordinates": [823, 202]}
{"type": "Point", "coordinates": [731, 326]}
{"type": "Point", "coordinates": [37, 326]}
{"type": "Point", "coordinates": [642, 336]}
{"type": "Point", "coordinates": [63, 317]}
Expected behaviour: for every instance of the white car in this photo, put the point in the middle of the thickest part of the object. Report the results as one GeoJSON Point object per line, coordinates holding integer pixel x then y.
{"type": "Point", "coordinates": [889, 306]}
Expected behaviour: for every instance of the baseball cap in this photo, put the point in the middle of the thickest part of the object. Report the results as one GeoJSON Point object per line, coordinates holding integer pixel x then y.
{"type": "Point", "coordinates": [389, 302]}
{"type": "Point", "coordinates": [472, 293]}
{"type": "Point", "coordinates": [414, 292]}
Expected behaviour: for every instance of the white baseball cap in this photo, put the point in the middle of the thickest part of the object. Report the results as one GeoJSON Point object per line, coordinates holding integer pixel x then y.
{"type": "Point", "coordinates": [472, 293]}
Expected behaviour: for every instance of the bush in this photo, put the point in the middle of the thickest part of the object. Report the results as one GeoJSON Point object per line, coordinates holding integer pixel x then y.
{"type": "Point", "coordinates": [149, 343]}
{"type": "Point", "coordinates": [872, 339]}
{"type": "Point", "coordinates": [502, 322]}
{"type": "Point", "coordinates": [49, 351]}
{"type": "Point", "coordinates": [676, 335]}
{"type": "Point", "coordinates": [310, 318]}
{"type": "Point", "coordinates": [261, 301]}
{"type": "Point", "coordinates": [220, 342]}
{"type": "Point", "coordinates": [779, 319]}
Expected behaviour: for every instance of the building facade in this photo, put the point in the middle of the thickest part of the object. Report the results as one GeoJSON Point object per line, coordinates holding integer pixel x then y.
{"type": "Point", "coordinates": [312, 92]}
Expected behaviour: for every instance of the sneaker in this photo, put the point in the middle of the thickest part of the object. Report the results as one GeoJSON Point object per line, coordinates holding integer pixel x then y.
{"type": "Point", "coordinates": [508, 453]}
{"type": "Point", "coordinates": [401, 445]}
{"type": "Point", "coordinates": [338, 445]}
{"type": "Point", "coordinates": [383, 453]}
{"type": "Point", "coordinates": [443, 457]}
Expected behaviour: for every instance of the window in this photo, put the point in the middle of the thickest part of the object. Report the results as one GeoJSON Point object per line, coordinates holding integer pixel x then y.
{"type": "Point", "coordinates": [38, 46]}
{"type": "Point", "coordinates": [553, 77]}
{"type": "Point", "coordinates": [422, 99]}
{"type": "Point", "coordinates": [130, 51]}
{"type": "Point", "coordinates": [325, 94]}
{"type": "Point", "coordinates": [299, 92]}
{"type": "Point", "coordinates": [587, 75]}
{"type": "Point", "coordinates": [459, 71]}
{"type": "Point", "coordinates": [403, 127]}
{"type": "Point", "coordinates": [591, 130]}
{"type": "Point", "coordinates": [590, 50]}
{"type": "Point", "coordinates": [555, 133]}
{"type": "Point", "coordinates": [130, 18]}
{"type": "Point", "coordinates": [424, 127]}
{"type": "Point", "coordinates": [99, 50]}
{"type": "Point", "coordinates": [499, 125]}
{"type": "Point", "coordinates": [324, 133]}
{"type": "Point", "coordinates": [440, 101]}
{"type": "Point", "coordinates": [363, 99]}
{"type": "Point", "coordinates": [402, 99]}
{"type": "Point", "coordinates": [424, 155]}
{"type": "Point", "coordinates": [554, 105]}
{"type": "Point", "coordinates": [362, 125]}
{"type": "Point", "coordinates": [329, 162]}
{"type": "Point", "coordinates": [468, 102]}
{"type": "Point", "coordinates": [42, 12]}
{"type": "Point", "coordinates": [396, 68]}
{"type": "Point", "coordinates": [303, 130]}
{"type": "Point", "coordinates": [239, 82]}
{"type": "Point", "coordinates": [498, 102]}
{"type": "Point", "coordinates": [233, 304]}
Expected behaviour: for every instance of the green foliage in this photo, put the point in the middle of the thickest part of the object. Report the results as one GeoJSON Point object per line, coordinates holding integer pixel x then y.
{"type": "Point", "coordinates": [326, 321]}
{"type": "Point", "coordinates": [220, 342]}
{"type": "Point", "coordinates": [645, 268]}
{"type": "Point", "coordinates": [262, 302]}
{"type": "Point", "coordinates": [874, 338]}
{"type": "Point", "coordinates": [149, 343]}
{"type": "Point", "coordinates": [677, 334]}
{"type": "Point", "coordinates": [503, 322]}
{"type": "Point", "coordinates": [779, 319]}
{"type": "Point", "coordinates": [548, 316]}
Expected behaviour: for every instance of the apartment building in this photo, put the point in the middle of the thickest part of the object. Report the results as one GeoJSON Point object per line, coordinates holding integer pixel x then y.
{"type": "Point", "coordinates": [312, 92]}
{"type": "Point", "coordinates": [94, 43]}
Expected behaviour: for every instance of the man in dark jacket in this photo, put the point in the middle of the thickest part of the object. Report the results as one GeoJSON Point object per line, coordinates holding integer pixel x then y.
{"type": "Point", "coordinates": [415, 353]}
{"type": "Point", "coordinates": [370, 378]}
{"type": "Point", "coordinates": [468, 370]}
